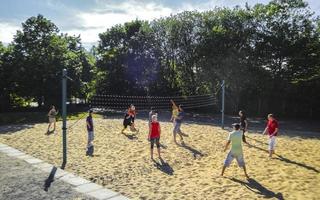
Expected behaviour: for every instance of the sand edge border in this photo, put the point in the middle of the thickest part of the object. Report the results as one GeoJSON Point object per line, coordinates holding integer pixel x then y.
{"type": "Point", "coordinates": [79, 184]}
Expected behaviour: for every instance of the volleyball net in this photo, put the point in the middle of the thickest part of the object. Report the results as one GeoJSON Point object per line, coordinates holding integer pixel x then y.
{"type": "Point", "coordinates": [161, 103]}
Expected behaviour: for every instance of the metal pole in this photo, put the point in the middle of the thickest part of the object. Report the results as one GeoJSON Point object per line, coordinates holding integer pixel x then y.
{"type": "Point", "coordinates": [64, 116]}
{"type": "Point", "coordinates": [222, 104]}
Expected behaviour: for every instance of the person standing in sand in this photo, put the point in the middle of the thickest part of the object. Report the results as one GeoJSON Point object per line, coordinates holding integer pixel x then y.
{"type": "Point", "coordinates": [272, 128]}
{"type": "Point", "coordinates": [177, 125]}
{"type": "Point", "coordinates": [154, 135]}
{"type": "Point", "coordinates": [52, 118]}
{"type": "Point", "coordinates": [243, 124]}
{"type": "Point", "coordinates": [89, 122]}
{"type": "Point", "coordinates": [235, 138]}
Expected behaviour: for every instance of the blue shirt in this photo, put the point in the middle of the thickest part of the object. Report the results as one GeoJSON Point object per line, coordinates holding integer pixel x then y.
{"type": "Point", "coordinates": [90, 122]}
{"type": "Point", "coordinates": [180, 117]}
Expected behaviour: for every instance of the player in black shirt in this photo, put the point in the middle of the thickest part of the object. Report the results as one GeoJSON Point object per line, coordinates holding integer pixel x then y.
{"type": "Point", "coordinates": [243, 124]}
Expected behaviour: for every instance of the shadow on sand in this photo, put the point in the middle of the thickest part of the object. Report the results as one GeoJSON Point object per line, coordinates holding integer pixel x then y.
{"type": "Point", "coordinates": [50, 179]}
{"type": "Point", "coordinates": [164, 167]}
{"type": "Point", "coordinates": [194, 152]}
{"type": "Point", "coordinates": [130, 136]}
{"type": "Point", "coordinates": [50, 132]}
{"type": "Point", "coordinates": [259, 148]}
{"type": "Point", "coordinates": [11, 129]}
{"type": "Point", "coordinates": [258, 141]}
{"type": "Point", "coordinates": [259, 189]}
{"type": "Point", "coordinates": [283, 159]}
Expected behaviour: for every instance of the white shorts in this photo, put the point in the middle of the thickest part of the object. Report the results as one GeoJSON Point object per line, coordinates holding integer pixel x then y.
{"type": "Point", "coordinates": [230, 158]}
{"type": "Point", "coordinates": [52, 119]}
{"type": "Point", "coordinates": [272, 142]}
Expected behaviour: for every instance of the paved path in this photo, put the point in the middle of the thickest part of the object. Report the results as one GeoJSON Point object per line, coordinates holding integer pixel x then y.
{"type": "Point", "coordinates": [24, 177]}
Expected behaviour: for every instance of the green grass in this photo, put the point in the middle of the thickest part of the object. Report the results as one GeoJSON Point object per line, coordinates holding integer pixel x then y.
{"type": "Point", "coordinates": [37, 117]}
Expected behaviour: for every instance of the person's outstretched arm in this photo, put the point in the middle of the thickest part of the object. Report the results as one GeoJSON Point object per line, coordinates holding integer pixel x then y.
{"type": "Point", "coordinates": [173, 103]}
{"type": "Point", "coordinates": [265, 130]}
{"type": "Point", "coordinates": [226, 145]}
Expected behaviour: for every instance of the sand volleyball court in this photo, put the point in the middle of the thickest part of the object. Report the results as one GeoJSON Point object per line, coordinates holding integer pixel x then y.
{"type": "Point", "coordinates": [191, 171]}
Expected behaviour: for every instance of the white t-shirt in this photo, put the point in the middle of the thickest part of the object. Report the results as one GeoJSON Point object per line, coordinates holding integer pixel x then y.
{"type": "Point", "coordinates": [236, 142]}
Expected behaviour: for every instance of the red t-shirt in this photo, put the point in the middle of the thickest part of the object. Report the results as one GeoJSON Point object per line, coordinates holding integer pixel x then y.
{"type": "Point", "coordinates": [272, 125]}
{"type": "Point", "coordinates": [155, 130]}
{"type": "Point", "coordinates": [132, 113]}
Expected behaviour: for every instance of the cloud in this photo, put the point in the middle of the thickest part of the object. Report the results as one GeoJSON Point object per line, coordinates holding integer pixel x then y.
{"type": "Point", "coordinates": [89, 18]}
{"type": "Point", "coordinates": [98, 20]}
{"type": "Point", "coordinates": [123, 12]}
{"type": "Point", "coordinates": [7, 31]}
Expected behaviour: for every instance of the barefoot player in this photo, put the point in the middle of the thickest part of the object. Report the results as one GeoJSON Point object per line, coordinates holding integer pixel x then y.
{"type": "Point", "coordinates": [52, 118]}
{"type": "Point", "coordinates": [243, 124]}
{"type": "Point", "coordinates": [177, 125]}
{"type": "Point", "coordinates": [154, 135]}
{"type": "Point", "coordinates": [89, 123]}
{"type": "Point", "coordinates": [235, 138]}
{"type": "Point", "coordinates": [272, 129]}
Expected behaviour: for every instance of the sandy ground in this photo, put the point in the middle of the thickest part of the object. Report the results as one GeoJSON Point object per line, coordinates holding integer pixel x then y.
{"type": "Point", "coordinates": [122, 162]}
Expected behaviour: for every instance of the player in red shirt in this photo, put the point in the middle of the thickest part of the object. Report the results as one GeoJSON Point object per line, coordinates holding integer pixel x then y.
{"type": "Point", "coordinates": [154, 135]}
{"type": "Point", "coordinates": [272, 128]}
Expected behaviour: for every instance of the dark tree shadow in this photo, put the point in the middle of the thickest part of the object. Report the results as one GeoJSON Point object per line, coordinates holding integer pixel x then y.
{"type": "Point", "coordinates": [259, 189]}
{"type": "Point", "coordinates": [50, 179]}
{"type": "Point", "coordinates": [194, 152]}
{"type": "Point", "coordinates": [281, 158]}
{"type": "Point", "coordinates": [164, 167]}
{"type": "Point", "coordinates": [130, 137]}
{"type": "Point", "coordinates": [12, 129]}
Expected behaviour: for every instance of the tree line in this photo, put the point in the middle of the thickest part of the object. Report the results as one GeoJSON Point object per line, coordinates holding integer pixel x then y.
{"type": "Point", "coordinates": [268, 55]}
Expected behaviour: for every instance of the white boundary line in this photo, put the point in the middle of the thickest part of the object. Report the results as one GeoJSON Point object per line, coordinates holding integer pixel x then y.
{"type": "Point", "coordinates": [79, 184]}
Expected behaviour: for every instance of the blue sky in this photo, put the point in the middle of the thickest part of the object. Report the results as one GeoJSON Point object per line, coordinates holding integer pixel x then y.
{"type": "Point", "coordinates": [88, 18]}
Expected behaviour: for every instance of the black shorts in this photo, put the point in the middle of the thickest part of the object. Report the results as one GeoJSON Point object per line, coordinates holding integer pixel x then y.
{"type": "Point", "coordinates": [155, 140]}
{"type": "Point", "coordinates": [127, 122]}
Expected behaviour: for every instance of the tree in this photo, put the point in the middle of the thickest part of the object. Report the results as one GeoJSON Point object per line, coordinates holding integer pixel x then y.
{"type": "Point", "coordinates": [40, 53]}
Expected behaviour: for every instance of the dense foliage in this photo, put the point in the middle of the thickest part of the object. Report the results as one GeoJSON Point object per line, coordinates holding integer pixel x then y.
{"type": "Point", "coordinates": [269, 56]}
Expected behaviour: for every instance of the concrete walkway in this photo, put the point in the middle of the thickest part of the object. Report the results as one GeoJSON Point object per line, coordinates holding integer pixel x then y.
{"type": "Point", "coordinates": [25, 177]}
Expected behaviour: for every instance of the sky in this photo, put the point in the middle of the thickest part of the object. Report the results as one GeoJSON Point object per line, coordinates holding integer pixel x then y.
{"type": "Point", "coordinates": [88, 18]}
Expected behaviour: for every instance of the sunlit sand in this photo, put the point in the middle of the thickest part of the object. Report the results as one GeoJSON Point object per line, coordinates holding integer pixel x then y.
{"type": "Point", "coordinates": [191, 171]}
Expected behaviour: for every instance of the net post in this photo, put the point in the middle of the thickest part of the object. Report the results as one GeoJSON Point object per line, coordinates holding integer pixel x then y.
{"type": "Point", "coordinates": [222, 103]}
{"type": "Point", "coordinates": [64, 117]}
